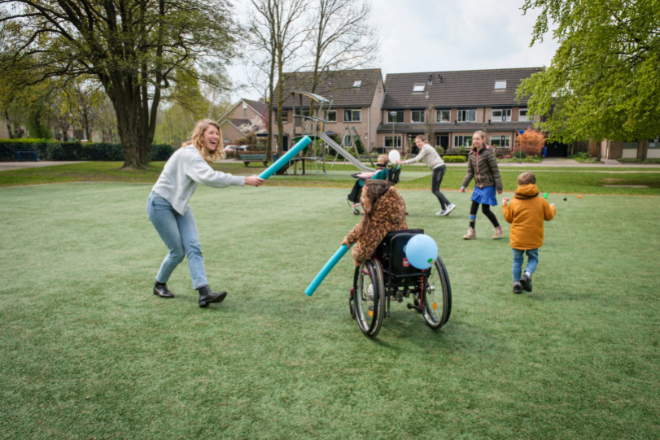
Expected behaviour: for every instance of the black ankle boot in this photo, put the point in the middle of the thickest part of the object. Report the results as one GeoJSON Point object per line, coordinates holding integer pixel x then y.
{"type": "Point", "coordinates": [207, 296]}
{"type": "Point", "coordinates": [160, 289]}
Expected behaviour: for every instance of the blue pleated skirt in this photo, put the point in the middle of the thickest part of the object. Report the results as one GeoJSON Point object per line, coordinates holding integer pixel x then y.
{"type": "Point", "coordinates": [485, 196]}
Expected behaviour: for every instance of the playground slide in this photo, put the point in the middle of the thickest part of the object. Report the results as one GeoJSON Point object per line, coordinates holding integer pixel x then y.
{"type": "Point", "coordinates": [348, 156]}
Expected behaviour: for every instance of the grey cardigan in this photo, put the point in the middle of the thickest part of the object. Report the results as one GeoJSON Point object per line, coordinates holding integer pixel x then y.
{"type": "Point", "coordinates": [429, 156]}
{"type": "Point", "coordinates": [183, 172]}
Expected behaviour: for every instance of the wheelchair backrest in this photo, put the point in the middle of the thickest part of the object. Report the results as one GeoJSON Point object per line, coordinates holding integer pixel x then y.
{"type": "Point", "coordinates": [394, 174]}
{"type": "Point", "coordinates": [392, 256]}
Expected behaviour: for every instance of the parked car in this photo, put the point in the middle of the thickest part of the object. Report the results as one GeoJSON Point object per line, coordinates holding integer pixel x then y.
{"type": "Point", "coordinates": [236, 148]}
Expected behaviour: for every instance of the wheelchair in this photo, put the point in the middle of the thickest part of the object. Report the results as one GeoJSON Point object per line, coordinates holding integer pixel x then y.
{"type": "Point", "coordinates": [391, 174]}
{"type": "Point", "coordinates": [388, 276]}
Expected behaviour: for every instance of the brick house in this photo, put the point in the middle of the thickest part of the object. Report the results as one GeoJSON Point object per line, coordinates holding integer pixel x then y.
{"type": "Point", "coordinates": [245, 111]}
{"type": "Point", "coordinates": [460, 103]}
{"type": "Point", "coordinates": [356, 97]}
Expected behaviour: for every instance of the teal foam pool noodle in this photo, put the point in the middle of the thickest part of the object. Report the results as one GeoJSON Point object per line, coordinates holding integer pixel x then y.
{"type": "Point", "coordinates": [302, 143]}
{"type": "Point", "coordinates": [332, 262]}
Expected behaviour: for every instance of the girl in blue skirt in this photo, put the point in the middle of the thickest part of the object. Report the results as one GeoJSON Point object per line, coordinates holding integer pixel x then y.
{"type": "Point", "coordinates": [482, 165]}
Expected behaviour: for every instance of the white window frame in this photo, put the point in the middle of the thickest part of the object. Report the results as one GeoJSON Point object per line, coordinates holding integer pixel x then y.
{"type": "Point", "coordinates": [463, 138]}
{"type": "Point", "coordinates": [419, 87]}
{"type": "Point", "coordinates": [348, 140]}
{"type": "Point", "coordinates": [438, 117]}
{"type": "Point", "coordinates": [398, 142]}
{"type": "Point", "coordinates": [500, 84]}
{"type": "Point", "coordinates": [505, 115]}
{"type": "Point", "coordinates": [245, 108]}
{"type": "Point", "coordinates": [504, 141]}
{"type": "Point", "coordinates": [524, 118]}
{"type": "Point", "coordinates": [357, 83]}
{"type": "Point", "coordinates": [327, 118]}
{"type": "Point", "coordinates": [284, 113]}
{"type": "Point", "coordinates": [389, 117]}
{"type": "Point", "coordinates": [469, 112]}
{"type": "Point", "coordinates": [352, 117]}
{"type": "Point", "coordinates": [420, 112]}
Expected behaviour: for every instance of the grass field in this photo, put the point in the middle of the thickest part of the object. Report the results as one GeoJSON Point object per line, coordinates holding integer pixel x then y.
{"type": "Point", "coordinates": [553, 180]}
{"type": "Point", "coordinates": [575, 359]}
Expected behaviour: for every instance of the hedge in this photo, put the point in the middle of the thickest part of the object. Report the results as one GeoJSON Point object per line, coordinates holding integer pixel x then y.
{"type": "Point", "coordinates": [454, 159]}
{"type": "Point", "coordinates": [72, 151]}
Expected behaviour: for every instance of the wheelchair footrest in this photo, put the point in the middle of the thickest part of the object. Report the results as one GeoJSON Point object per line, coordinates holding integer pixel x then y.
{"type": "Point", "coordinates": [412, 306]}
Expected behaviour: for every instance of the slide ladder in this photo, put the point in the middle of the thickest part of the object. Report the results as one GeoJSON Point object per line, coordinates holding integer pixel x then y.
{"type": "Point", "coordinates": [339, 149]}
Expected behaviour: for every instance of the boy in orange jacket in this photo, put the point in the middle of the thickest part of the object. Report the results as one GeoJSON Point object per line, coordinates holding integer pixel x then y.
{"type": "Point", "coordinates": [526, 215]}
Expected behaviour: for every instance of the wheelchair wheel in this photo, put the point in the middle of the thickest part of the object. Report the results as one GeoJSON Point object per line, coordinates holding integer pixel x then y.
{"type": "Point", "coordinates": [369, 300]}
{"type": "Point", "coordinates": [437, 296]}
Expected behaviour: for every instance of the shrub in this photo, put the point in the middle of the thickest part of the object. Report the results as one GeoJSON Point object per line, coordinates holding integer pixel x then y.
{"type": "Point", "coordinates": [454, 159]}
{"type": "Point", "coordinates": [440, 150]}
{"type": "Point", "coordinates": [531, 142]}
{"type": "Point", "coordinates": [519, 154]}
{"type": "Point", "coordinates": [72, 151]}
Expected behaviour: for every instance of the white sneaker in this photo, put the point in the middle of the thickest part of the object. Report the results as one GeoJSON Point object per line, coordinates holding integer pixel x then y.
{"type": "Point", "coordinates": [449, 208]}
{"type": "Point", "coordinates": [441, 212]}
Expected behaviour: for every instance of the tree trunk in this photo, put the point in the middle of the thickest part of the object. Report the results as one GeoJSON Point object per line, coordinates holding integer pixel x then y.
{"type": "Point", "coordinates": [280, 103]}
{"type": "Point", "coordinates": [8, 125]}
{"type": "Point", "coordinates": [642, 149]}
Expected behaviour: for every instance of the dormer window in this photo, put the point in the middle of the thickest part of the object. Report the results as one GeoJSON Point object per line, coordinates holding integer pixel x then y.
{"type": "Point", "coordinates": [500, 85]}
{"type": "Point", "coordinates": [357, 84]}
{"type": "Point", "coordinates": [419, 87]}
{"type": "Point", "coordinates": [245, 115]}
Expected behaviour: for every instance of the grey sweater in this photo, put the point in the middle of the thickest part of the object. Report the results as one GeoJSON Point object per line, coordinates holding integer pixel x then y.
{"type": "Point", "coordinates": [429, 156]}
{"type": "Point", "coordinates": [183, 172]}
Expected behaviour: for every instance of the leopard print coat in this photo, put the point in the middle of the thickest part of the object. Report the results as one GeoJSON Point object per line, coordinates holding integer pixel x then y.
{"type": "Point", "coordinates": [389, 214]}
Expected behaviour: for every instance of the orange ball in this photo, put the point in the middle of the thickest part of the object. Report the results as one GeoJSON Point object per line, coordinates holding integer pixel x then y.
{"type": "Point", "coordinates": [580, 196]}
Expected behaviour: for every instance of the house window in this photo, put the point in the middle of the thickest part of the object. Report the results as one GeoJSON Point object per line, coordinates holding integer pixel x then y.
{"type": "Point", "coordinates": [390, 144]}
{"type": "Point", "coordinates": [417, 116]}
{"type": "Point", "coordinates": [348, 141]}
{"type": "Point", "coordinates": [501, 115]}
{"type": "Point", "coordinates": [330, 115]}
{"type": "Point", "coordinates": [304, 112]}
{"type": "Point", "coordinates": [419, 87]}
{"type": "Point", "coordinates": [397, 118]}
{"type": "Point", "coordinates": [467, 115]}
{"type": "Point", "coordinates": [499, 85]}
{"type": "Point", "coordinates": [245, 110]}
{"type": "Point", "coordinates": [357, 83]}
{"type": "Point", "coordinates": [523, 115]}
{"type": "Point", "coordinates": [463, 141]}
{"type": "Point", "coordinates": [352, 115]}
{"type": "Point", "coordinates": [443, 116]}
{"type": "Point", "coordinates": [442, 140]}
{"type": "Point", "coordinates": [284, 114]}
{"type": "Point", "coordinates": [500, 141]}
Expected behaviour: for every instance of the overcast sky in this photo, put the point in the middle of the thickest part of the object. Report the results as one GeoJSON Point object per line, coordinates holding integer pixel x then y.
{"type": "Point", "coordinates": [439, 35]}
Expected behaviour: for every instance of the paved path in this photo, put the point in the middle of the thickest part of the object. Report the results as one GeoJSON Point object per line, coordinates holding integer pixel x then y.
{"type": "Point", "coordinates": [7, 166]}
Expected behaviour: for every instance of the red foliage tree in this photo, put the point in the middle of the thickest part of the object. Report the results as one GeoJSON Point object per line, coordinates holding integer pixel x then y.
{"type": "Point", "coordinates": [531, 142]}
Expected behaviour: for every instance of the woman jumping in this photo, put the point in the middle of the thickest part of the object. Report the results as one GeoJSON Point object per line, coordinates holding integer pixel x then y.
{"type": "Point", "coordinates": [168, 210]}
{"type": "Point", "coordinates": [482, 165]}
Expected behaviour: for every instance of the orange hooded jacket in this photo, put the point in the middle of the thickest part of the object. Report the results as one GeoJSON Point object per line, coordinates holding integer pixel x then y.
{"type": "Point", "coordinates": [526, 213]}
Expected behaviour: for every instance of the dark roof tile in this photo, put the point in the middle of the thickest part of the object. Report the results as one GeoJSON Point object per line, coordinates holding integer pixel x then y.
{"type": "Point", "coordinates": [337, 86]}
{"type": "Point", "coordinates": [464, 88]}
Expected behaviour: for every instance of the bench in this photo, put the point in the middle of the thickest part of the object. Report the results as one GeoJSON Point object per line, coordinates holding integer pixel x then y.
{"type": "Point", "coordinates": [31, 154]}
{"type": "Point", "coordinates": [247, 158]}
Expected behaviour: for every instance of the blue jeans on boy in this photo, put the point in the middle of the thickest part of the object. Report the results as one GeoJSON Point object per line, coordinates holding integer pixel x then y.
{"type": "Point", "coordinates": [179, 232]}
{"type": "Point", "coordinates": [532, 261]}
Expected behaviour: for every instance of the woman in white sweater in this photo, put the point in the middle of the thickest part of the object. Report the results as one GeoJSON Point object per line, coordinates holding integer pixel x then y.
{"type": "Point", "coordinates": [170, 213]}
{"type": "Point", "coordinates": [432, 159]}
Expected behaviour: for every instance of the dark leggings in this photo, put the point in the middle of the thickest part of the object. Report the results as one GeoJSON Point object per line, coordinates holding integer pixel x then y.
{"type": "Point", "coordinates": [487, 212]}
{"type": "Point", "coordinates": [436, 180]}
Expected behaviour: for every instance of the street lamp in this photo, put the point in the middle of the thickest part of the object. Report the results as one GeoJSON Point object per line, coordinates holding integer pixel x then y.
{"type": "Point", "coordinates": [393, 114]}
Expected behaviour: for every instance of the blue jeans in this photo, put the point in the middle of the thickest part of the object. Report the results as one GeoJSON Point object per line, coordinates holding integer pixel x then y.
{"type": "Point", "coordinates": [532, 261]}
{"type": "Point", "coordinates": [179, 232]}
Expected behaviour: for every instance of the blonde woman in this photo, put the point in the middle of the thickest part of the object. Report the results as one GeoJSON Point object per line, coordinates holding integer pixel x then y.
{"type": "Point", "coordinates": [170, 213]}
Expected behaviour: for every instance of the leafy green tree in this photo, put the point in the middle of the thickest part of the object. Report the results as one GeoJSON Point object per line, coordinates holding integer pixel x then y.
{"type": "Point", "coordinates": [136, 49]}
{"type": "Point", "coordinates": [604, 80]}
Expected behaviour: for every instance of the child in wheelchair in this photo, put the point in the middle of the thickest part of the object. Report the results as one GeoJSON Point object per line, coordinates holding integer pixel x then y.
{"type": "Point", "coordinates": [382, 273]}
{"type": "Point", "coordinates": [383, 172]}
{"type": "Point", "coordinates": [384, 211]}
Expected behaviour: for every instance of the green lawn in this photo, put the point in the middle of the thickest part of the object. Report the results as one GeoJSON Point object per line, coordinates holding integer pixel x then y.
{"type": "Point", "coordinates": [553, 180]}
{"type": "Point", "coordinates": [576, 359]}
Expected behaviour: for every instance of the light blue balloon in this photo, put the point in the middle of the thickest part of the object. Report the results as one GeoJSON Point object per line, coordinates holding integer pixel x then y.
{"type": "Point", "coordinates": [421, 251]}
